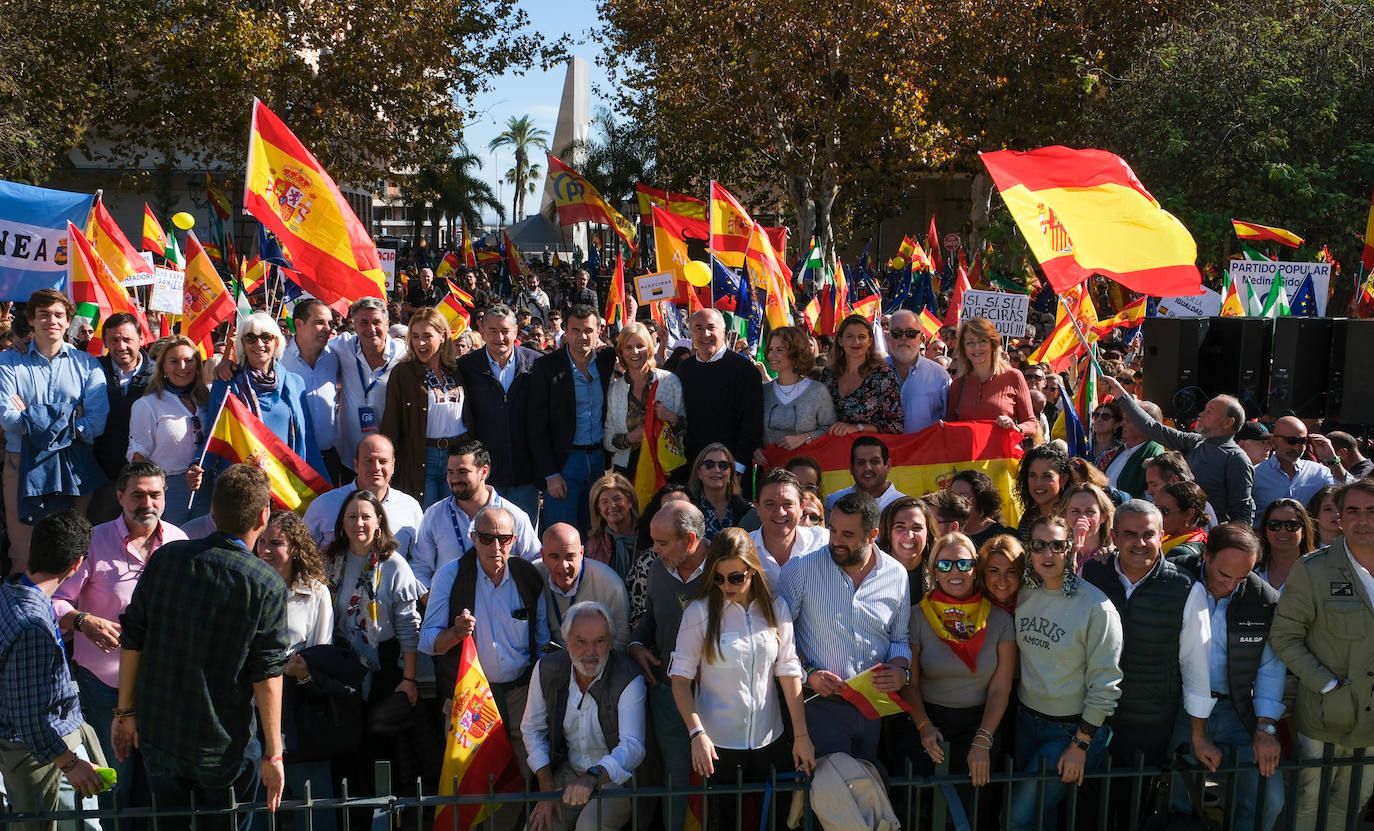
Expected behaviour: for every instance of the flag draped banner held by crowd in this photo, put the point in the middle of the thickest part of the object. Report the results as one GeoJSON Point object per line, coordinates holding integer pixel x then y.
{"type": "Point", "coordinates": [926, 461]}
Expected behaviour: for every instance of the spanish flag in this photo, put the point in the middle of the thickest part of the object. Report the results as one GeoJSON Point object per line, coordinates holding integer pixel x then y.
{"type": "Point", "coordinates": [1130, 315]}
{"type": "Point", "coordinates": [674, 203]}
{"type": "Point", "coordinates": [860, 692]}
{"type": "Point", "coordinates": [577, 201]}
{"type": "Point", "coordinates": [92, 282]}
{"type": "Point", "coordinates": [677, 241]}
{"type": "Point", "coordinates": [1063, 342]}
{"type": "Point", "coordinates": [469, 258]}
{"type": "Point", "coordinates": [1256, 233]}
{"type": "Point", "coordinates": [1084, 212]}
{"type": "Point", "coordinates": [615, 298]}
{"type": "Point", "coordinates": [731, 226]}
{"type": "Point", "coordinates": [290, 192]}
{"type": "Point", "coordinates": [207, 303]}
{"type": "Point", "coordinates": [154, 238]}
{"type": "Point", "coordinates": [448, 265]}
{"type": "Point", "coordinates": [240, 437]}
{"type": "Point", "coordinates": [477, 754]}
{"type": "Point", "coordinates": [925, 461]}
{"type": "Point", "coordinates": [659, 453]}
{"type": "Point", "coordinates": [905, 254]}
{"type": "Point", "coordinates": [451, 307]}
{"type": "Point", "coordinates": [930, 324]}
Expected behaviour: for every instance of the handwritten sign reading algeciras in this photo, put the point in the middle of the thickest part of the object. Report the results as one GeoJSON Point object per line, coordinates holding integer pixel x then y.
{"type": "Point", "coordinates": [1007, 311]}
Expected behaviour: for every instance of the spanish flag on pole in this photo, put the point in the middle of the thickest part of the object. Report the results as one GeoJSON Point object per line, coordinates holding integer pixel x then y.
{"type": "Point", "coordinates": [731, 226]}
{"type": "Point", "coordinates": [1084, 212]}
{"type": "Point", "coordinates": [242, 438]}
{"type": "Point", "coordinates": [478, 753]}
{"type": "Point", "coordinates": [154, 238]}
{"type": "Point", "coordinates": [1255, 232]}
{"type": "Point", "coordinates": [674, 203]}
{"type": "Point", "coordinates": [577, 201]}
{"type": "Point", "coordinates": [92, 282]}
{"type": "Point", "coordinates": [207, 302]}
{"type": "Point", "coordinates": [290, 193]}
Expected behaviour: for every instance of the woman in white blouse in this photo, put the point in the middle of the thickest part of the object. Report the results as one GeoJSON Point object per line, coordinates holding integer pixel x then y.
{"type": "Point", "coordinates": [287, 546]}
{"type": "Point", "coordinates": [168, 426]}
{"type": "Point", "coordinates": [627, 398]}
{"type": "Point", "coordinates": [735, 638]}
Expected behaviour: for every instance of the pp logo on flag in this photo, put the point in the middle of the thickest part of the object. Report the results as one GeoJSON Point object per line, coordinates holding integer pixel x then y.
{"type": "Point", "coordinates": [567, 188]}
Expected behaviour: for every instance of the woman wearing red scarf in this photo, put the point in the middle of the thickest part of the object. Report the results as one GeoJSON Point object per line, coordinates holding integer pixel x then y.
{"type": "Point", "coordinates": [963, 655]}
{"type": "Point", "coordinates": [1183, 510]}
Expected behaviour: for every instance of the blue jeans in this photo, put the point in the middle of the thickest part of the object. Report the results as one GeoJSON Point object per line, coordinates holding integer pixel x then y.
{"type": "Point", "coordinates": [524, 497]}
{"type": "Point", "coordinates": [1041, 740]}
{"type": "Point", "coordinates": [98, 701]}
{"type": "Point", "coordinates": [436, 476]}
{"type": "Point", "coordinates": [580, 472]}
{"type": "Point", "coordinates": [676, 750]}
{"type": "Point", "coordinates": [1225, 730]}
{"type": "Point", "coordinates": [839, 727]}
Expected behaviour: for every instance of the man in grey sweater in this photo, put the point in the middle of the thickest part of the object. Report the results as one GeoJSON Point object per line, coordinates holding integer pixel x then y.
{"type": "Point", "coordinates": [1223, 470]}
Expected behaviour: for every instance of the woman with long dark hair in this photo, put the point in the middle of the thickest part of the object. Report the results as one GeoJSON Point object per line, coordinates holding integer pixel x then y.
{"type": "Point", "coordinates": [1286, 533]}
{"type": "Point", "coordinates": [1042, 478]}
{"type": "Point", "coordinates": [864, 389]}
{"type": "Point", "coordinates": [1183, 518]}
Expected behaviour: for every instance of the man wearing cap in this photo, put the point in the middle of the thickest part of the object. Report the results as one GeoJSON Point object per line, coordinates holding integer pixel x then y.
{"type": "Point", "coordinates": [1253, 438]}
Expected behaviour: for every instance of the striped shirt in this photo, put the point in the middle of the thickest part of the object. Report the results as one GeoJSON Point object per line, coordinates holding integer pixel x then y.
{"type": "Point", "coordinates": [843, 630]}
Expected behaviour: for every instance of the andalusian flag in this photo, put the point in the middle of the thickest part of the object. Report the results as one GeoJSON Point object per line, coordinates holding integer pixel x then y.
{"type": "Point", "coordinates": [208, 302]}
{"type": "Point", "coordinates": [1256, 233]}
{"type": "Point", "coordinates": [577, 201]}
{"type": "Point", "coordinates": [154, 238]}
{"type": "Point", "coordinates": [173, 256]}
{"type": "Point", "coordinates": [242, 438]}
{"type": "Point", "coordinates": [1276, 304]}
{"type": "Point", "coordinates": [477, 754]}
{"type": "Point", "coordinates": [91, 283]}
{"type": "Point", "coordinates": [860, 692]}
{"type": "Point", "coordinates": [1084, 212]}
{"type": "Point", "coordinates": [674, 203]}
{"type": "Point", "coordinates": [290, 193]}
{"type": "Point", "coordinates": [731, 226]}
{"type": "Point", "coordinates": [925, 461]}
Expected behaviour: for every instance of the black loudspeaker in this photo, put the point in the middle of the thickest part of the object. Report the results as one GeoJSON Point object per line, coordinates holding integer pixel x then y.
{"type": "Point", "coordinates": [1171, 360]}
{"type": "Point", "coordinates": [1352, 382]}
{"type": "Point", "coordinates": [1234, 360]}
{"type": "Point", "coordinates": [1299, 379]}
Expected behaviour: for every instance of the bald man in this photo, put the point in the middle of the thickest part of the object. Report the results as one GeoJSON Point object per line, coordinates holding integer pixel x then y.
{"type": "Point", "coordinates": [374, 463]}
{"type": "Point", "coordinates": [721, 391]}
{"type": "Point", "coordinates": [1286, 473]}
{"type": "Point", "coordinates": [570, 578]}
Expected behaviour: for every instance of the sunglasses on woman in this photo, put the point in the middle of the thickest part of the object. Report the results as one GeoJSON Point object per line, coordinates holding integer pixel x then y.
{"type": "Point", "coordinates": [1284, 525]}
{"type": "Point", "coordinates": [259, 337]}
{"type": "Point", "coordinates": [715, 464]}
{"type": "Point", "coordinates": [1041, 546]}
{"type": "Point", "coordinates": [810, 517]}
{"type": "Point", "coordinates": [736, 579]}
{"type": "Point", "coordinates": [946, 566]}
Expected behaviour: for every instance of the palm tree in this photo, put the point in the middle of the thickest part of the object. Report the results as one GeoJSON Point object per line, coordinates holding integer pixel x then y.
{"type": "Point", "coordinates": [521, 136]}
{"type": "Point", "coordinates": [452, 190]}
{"type": "Point", "coordinates": [531, 177]}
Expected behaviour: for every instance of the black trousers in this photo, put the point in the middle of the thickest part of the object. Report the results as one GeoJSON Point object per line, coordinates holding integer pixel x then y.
{"type": "Point", "coordinates": [749, 766]}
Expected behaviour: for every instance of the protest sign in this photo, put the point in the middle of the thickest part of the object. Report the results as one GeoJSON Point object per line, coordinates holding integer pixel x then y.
{"type": "Point", "coordinates": [1007, 311]}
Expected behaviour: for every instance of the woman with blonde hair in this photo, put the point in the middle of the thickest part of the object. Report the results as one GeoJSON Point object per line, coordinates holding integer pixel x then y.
{"type": "Point", "coordinates": [168, 425]}
{"type": "Point", "coordinates": [615, 524]}
{"type": "Point", "coordinates": [424, 408]}
{"type": "Point", "coordinates": [986, 388]}
{"type": "Point", "coordinates": [630, 396]}
{"type": "Point", "coordinates": [1000, 563]}
{"type": "Point", "coordinates": [1089, 512]}
{"type": "Point", "coordinates": [864, 388]}
{"type": "Point", "coordinates": [715, 488]}
{"type": "Point", "coordinates": [734, 641]}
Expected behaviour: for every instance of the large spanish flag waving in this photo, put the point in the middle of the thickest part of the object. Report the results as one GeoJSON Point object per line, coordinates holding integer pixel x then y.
{"type": "Point", "coordinates": [242, 438]}
{"type": "Point", "coordinates": [925, 461]}
{"type": "Point", "coordinates": [731, 226]}
{"type": "Point", "coordinates": [1084, 212]}
{"type": "Point", "coordinates": [288, 191]}
{"type": "Point", "coordinates": [477, 753]}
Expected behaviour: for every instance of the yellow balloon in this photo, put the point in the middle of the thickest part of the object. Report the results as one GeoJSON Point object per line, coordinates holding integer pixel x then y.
{"type": "Point", "coordinates": [898, 262]}
{"type": "Point", "coordinates": [184, 221]}
{"type": "Point", "coordinates": [697, 273]}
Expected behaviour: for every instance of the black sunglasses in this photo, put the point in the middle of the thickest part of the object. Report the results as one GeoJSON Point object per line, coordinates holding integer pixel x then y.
{"type": "Point", "coordinates": [260, 337]}
{"type": "Point", "coordinates": [1284, 525]}
{"type": "Point", "coordinates": [1294, 440]}
{"type": "Point", "coordinates": [946, 566]}
{"type": "Point", "coordinates": [487, 539]}
{"type": "Point", "coordinates": [715, 464]}
{"type": "Point", "coordinates": [1057, 546]}
{"type": "Point", "coordinates": [904, 334]}
{"type": "Point", "coordinates": [736, 579]}
{"type": "Point", "coordinates": [816, 518]}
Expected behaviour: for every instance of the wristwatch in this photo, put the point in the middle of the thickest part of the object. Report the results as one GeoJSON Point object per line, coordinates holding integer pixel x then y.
{"type": "Point", "coordinates": [595, 772]}
{"type": "Point", "coordinates": [1270, 729]}
{"type": "Point", "coordinates": [1081, 743]}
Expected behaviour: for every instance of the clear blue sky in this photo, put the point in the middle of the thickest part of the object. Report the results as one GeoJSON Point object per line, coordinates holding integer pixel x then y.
{"type": "Point", "coordinates": [536, 93]}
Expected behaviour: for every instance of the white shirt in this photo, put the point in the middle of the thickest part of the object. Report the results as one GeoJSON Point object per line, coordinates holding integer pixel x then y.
{"type": "Point", "coordinates": [161, 429]}
{"type": "Point", "coordinates": [321, 389]}
{"type": "Point", "coordinates": [443, 535]}
{"type": "Point", "coordinates": [309, 616]}
{"type": "Point", "coordinates": [1366, 579]}
{"type": "Point", "coordinates": [1194, 646]}
{"type": "Point", "coordinates": [445, 419]}
{"type": "Point", "coordinates": [735, 697]}
{"type": "Point", "coordinates": [888, 497]}
{"type": "Point", "coordinates": [808, 539]}
{"type": "Point", "coordinates": [352, 390]}
{"type": "Point", "coordinates": [403, 515]}
{"type": "Point", "coordinates": [582, 729]}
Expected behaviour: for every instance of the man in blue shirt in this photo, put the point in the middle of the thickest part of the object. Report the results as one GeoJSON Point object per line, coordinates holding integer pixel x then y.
{"type": "Point", "coordinates": [925, 384]}
{"type": "Point", "coordinates": [52, 398]}
{"type": "Point", "coordinates": [1287, 473]}
{"type": "Point", "coordinates": [41, 726]}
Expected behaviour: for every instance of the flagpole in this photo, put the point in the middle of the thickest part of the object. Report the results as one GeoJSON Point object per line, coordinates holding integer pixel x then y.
{"type": "Point", "coordinates": [1077, 330]}
{"type": "Point", "coordinates": [200, 463]}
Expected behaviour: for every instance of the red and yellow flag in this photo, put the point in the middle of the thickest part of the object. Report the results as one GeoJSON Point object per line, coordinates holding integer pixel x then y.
{"type": "Point", "coordinates": [469, 257]}
{"type": "Point", "coordinates": [114, 248]}
{"type": "Point", "coordinates": [956, 300]}
{"type": "Point", "coordinates": [577, 201]}
{"type": "Point", "coordinates": [1258, 233]}
{"type": "Point", "coordinates": [288, 191]}
{"type": "Point", "coordinates": [962, 625]}
{"type": "Point", "coordinates": [930, 324]}
{"type": "Point", "coordinates": [448, 265]}
{"type": "Point", "coordinates": [451, 307]}
{"type": "Point", "coordinates": [936, 262]}
{"type": "Point", "coordinates": [932, 457]}
{"type": "Point", "coordinates": [768, 271]}
{"type": "Point", "coordinates": [860, 692]}
{"type": "Point", "coordinates": [615, 298]}
{"type": "Point", "coordinates": [731, 226]}
{"type": "Point", "coordinates": [1367, 256]}
{"type": "Point", "coordinates": [1063, 343]}
{"type": "Point", "coordinates": [154, 238]}
{"type": "Point", "coordinates": [207, 301]}
{"type": "Point", "coordinates": [478, 753]}
{"type": "Point", "coordinates": [659, 453]}
{"type": "Point", "coordinates": [1084, 212]}
{"type": "Point", "coordinates": [674, 203]}
{"type": "Point", "coordinates": [1130, 315]}
{"type": "Point", "coordinates": [677, 241]}
{"type": "Point", "coordinates": [92, 282]}
{"type": "Point", "coordinates": [515, 264]}
{"type": "Point", "coordinates": [242, 438]}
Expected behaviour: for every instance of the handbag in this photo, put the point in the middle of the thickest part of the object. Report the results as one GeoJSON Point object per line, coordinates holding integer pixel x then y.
{"type": "Point", "coordinates": [322, 718]}
{"type": "Point", "coordinates": [1162, 817]}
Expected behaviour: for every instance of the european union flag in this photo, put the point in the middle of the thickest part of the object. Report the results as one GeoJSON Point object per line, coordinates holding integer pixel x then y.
{"type": "Point", "coordinates": [1075, 436]}
{"type": "Point", "coordinates": [724, 281]}
{"type": "Point", "coordinates": [34, 248]}
{"type": "Point", "coordinates": [269, 248]}
{"type": "Point", "coordinates": [1304, 303]}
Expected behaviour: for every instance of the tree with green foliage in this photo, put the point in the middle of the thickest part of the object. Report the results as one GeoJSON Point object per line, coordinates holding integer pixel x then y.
{"type": "Point", "coordinates": [520, 137]}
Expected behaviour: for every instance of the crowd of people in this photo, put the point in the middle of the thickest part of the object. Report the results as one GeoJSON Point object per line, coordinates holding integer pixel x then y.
{"type": "Point", "coordinates": [1197, 589]}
